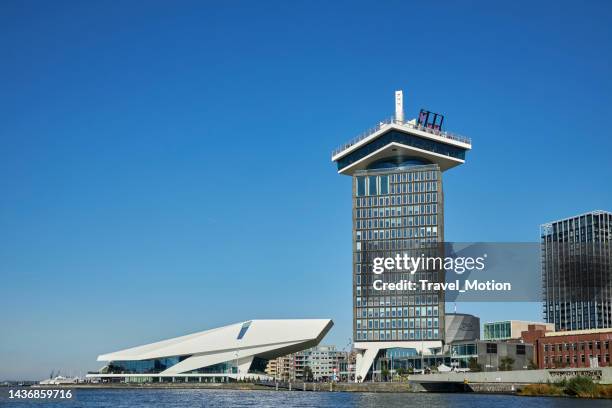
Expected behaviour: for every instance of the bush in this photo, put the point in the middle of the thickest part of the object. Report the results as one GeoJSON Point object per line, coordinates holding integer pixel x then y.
{"type": "Point", "coordinates": [540, 389]}
{"type": "Point", "coordinates": [604, 391]}
{"type": "Point", "coordinates": [582, 387]}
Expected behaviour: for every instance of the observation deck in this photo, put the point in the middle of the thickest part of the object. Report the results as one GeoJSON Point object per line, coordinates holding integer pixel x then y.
{"type": "Point", "coordinates": [394, 139]}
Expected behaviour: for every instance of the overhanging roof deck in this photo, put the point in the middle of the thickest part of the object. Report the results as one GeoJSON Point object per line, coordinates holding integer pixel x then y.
{"type": "Point", "coordinates": [405, 126]}
{"type": "Point", "coordinates": [398, 140]}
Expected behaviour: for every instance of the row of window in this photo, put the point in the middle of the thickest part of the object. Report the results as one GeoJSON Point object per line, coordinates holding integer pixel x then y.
{"type": "Point", "coordinates": [375, 212]}
{"type": "Point", "coordinates": [423, 299]}
{"type": "Point", "coordinates": [409, 182]}
{"type": "Point", "coordinates": [378, 185]}
{"type": "Point", "coordinates": [397, 323]}
{"type": "Point", "coordinates": [404, 223]}
{"type": "Point", "coordinates": [577, 346]}
{"type": "Point", "coordinates": [412, 176]}
{"type": "Point", "coordinates": [409, 199]}
{"type": "Point", "coordinates": [431, 250]}
{"type": "Point", "coordinates": [376, 247]}
{"type": "Point", "coordinates": [398, 312]}
{"type": "Point", "coordinates": [393, 234]}
{"type": "Point", "coordinates": [370, 292]}
{"type": "Point", "coordinates": [394, 276]}
{"type": "Point", "coordinates": [569, 359]}
{"type": "Point", "coordinates": [407, 334]}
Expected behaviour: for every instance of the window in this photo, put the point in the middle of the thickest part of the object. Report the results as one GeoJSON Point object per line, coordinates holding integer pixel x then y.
{"type": "Point", "coordinates": [361, 186]}
{"type": "Point", "coordinates": [520, 349]}
{"type": "Point", "coordinates": [384, 184]}
{"type": "Point", "coordinates": [372, 185]}
{"type": "Point", "coordinates": [491, 348]}
{"type": "Point", "coordinates": [243, 330]}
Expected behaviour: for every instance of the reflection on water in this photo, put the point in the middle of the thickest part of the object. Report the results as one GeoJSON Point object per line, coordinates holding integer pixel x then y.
{"type": "Point", "coordinates": [285, 399]}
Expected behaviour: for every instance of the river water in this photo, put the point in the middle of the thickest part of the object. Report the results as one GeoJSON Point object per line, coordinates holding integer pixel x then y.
{"type": "Point", "coordinates": [134, 398]}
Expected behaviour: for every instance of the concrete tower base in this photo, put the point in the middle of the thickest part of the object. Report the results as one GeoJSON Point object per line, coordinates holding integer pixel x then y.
{"type": "Point", "coordinates": [367, 352]}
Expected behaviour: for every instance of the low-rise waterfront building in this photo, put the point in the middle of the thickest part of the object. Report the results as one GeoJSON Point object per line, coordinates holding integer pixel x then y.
{"type": "Point", "coordinates": [464, 350]}
{"type": "Point", "coordinates": [323, 362]}
{"type": "Point", "coordinates": [492, 355]}
{"type": "Point", "coordinates": [574, 349]}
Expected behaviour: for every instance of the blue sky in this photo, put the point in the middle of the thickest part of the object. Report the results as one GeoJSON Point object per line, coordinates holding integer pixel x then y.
{"type": "Point", "coordinates": [165, 168]}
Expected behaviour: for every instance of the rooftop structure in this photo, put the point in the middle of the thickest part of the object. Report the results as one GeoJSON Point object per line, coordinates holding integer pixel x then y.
{"type": "Point", "coordinates": [395, 138]}
{"type": "Point", "coordinates": [510, 329]}
{"type": "Point", "coordinates": [461, 327]}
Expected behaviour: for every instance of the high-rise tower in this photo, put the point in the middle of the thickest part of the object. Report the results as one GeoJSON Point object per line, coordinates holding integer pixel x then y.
{"type": "Point", "coordinates": [577, 271]}
{"type": "Point", "coordinates": [398, 209]}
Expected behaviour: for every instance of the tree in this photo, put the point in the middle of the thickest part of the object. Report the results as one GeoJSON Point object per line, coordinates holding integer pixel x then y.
{"type": "Point", "coordinates": [384, 373]}
{"type": "Point", "coordinates": [473, 365]}
{"type": "Point", "coordinates": [531, 365]}
{"type": "Point", "coordinates": [506, 363]}
{"type": "Point", "coordinates": [307, 373]}
{"type": "Point", "coordinates": [401, 371]}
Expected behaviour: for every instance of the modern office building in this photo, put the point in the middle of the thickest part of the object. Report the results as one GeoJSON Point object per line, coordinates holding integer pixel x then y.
{"type": "Point", "coordinates": [577, 271]}
{"type": "Point", "coordinates": [398, 208]}
{"type": "Point", "coordinates": [228, 353]}
{"type": "Point", "coordinates": [510, 329]}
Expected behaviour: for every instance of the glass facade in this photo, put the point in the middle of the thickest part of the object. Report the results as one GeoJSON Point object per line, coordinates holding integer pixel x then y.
{"type": "Point", "coordinates": [156, 366]}
{"type": "Point", "coordinates": [498, 331]}
{"type": "Point", "coordinates": [152, 366]}
{"type": "Point", "coordinates": [404, 139]}
{"type": "Point", "coordinates": [228, 367]}
{"type": "Point", "coordinates": [577, 271]}
{"type": "Point", "coordinates": [397, 211]}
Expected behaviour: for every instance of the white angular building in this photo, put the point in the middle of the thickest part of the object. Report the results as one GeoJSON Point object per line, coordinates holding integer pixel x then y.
{"type": "Point", "coordinates": [237, 351]}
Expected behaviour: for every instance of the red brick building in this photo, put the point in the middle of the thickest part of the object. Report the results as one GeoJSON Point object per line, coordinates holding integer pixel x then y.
{"type": "Point", "coordinates": [579, 348]}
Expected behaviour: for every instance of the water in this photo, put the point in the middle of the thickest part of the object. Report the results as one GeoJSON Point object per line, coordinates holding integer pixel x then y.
{"type": "Point", "coordinates": [223, 398]}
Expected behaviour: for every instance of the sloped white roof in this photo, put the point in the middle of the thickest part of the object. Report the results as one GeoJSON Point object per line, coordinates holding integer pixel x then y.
{"type": "Point", "coordinates": [265, 338]}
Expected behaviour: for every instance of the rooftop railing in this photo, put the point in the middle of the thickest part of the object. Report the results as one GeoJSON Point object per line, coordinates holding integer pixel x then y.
{"type": "Point", "coordinates": [389, 121]}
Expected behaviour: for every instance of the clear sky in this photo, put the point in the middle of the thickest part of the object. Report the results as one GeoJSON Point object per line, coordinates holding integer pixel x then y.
{"type": "Point", "coordinates": [165, 166]}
